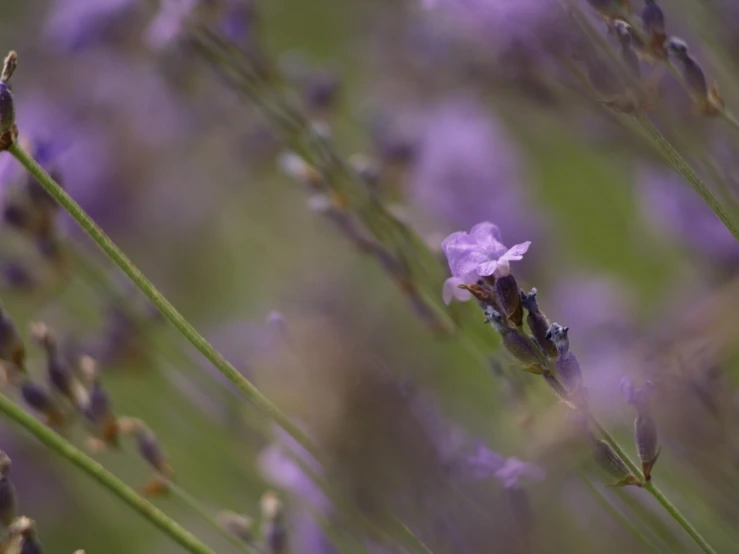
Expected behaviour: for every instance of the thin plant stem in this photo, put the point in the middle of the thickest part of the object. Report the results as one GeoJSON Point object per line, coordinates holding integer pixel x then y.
{"type": "Point", "coordinates": [621, 518]}
{"type": "Point", "coordinates": [97, 472]}
{"type": "Point", "coordinates": [655, 492]}
{"type": "Point", "coordinates": [193, 503]}
{"type": "Point", "coordinates": [684, 168]}
{"type": "Point", "coordinates": [158, 299]}
{"type": "Point", "coordinates": [176, 319]}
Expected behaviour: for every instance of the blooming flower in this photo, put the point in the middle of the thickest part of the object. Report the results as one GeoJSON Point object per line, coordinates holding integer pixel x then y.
{"type": "Point", "coordinates": [481, 252]}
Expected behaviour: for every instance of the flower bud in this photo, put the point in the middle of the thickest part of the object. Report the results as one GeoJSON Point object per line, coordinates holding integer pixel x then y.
{"type": "Point", "coordinates": [521, 347]}
{"type": "Point", "coordinates": [240, 526]}
{"type": "Point", "coordinates": [538, 323]}
{"type": "Point", "coordinates": [611, 462]}
{"type": "Point", "coordinates": [509, 297]}
{"type": "Point", "coordinates": [8, 499]}
{"type": "Point", "coordinates": [7, 105]}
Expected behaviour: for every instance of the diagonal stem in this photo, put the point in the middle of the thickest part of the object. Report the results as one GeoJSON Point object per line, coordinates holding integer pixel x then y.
{"type": "Point", "coordinates": [93, 469]}
{"type": "Point", "coordinates": [158, 299]}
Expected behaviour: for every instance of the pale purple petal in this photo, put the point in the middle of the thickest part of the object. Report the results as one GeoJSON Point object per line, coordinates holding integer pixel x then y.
{"type": "Point", "coordinates": [515, 253]}
{"type": "Point", "coordinates": [451, 290]}
{"type": "Point", "coordinates": [487, 268]}
{"type": "Point", "coordinates": [487, 236]}
{"type": "Point", "coordinates": [463, 253]}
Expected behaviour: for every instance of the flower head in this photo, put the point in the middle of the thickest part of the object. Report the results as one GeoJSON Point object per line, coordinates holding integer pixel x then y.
{"type": "Point", "coordinates": [480, 252]}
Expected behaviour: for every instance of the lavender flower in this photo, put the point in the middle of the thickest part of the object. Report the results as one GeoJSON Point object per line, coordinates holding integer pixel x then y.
{"type": "Point", "coordinates": [465, 169]}
{"type": "Point", "coordinates": [683, 216]}
{"type": "Point", "coordinates": [481, 252]}
{"type": "Point", "coordinates": [72, 24]}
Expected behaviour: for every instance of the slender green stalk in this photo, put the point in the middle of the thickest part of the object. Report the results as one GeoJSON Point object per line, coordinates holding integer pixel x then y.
{"type": "Point", "coordinates": [654, 491]}
{"type": "Point", "coordinates": [97, 472]}
{"type": "Point", "coordinates": [621, 518]}
{"type": "Point", "coordinates": [192, 502]}
{"type": "Point", "coordinates": [164, 306]}
{"type": "Point", "coordinates": [682, 167]}
{"type": "Point", "coordinates": [171, 313]}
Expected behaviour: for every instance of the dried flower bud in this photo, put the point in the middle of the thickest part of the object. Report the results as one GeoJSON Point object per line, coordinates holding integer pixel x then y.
{"type": "Point", "coordinates": [611, 462]}
{"type": "Point", "coordinates": [271, 506]}
{"type": "Point", "coordinates": [240, 526]}
{"type": "Point", "coordinates": [7, 106]}
{"type": "Point", "coordinates": [538, 323]}
{"type": "Point", "coordinates": [647, 443]}
{"type": "Point", "coordinates": [509, 297]}
{"type": "Point", "coordinates": [568, 368]}
{"type": "Point", "coordinates": [8, 499]}
{"type": "Point", "coordinates": [59, 372]}
{"type": "Point", "coordinates": [11, 345]}
{"type": "Point", "coordinates": [517, 344]}
{"type": "Point", "coordinates": [654, 24]}
{"type": "Point", "coordinates": [625, 39]}
{"type": "Point", "coordinates": [40, 400]}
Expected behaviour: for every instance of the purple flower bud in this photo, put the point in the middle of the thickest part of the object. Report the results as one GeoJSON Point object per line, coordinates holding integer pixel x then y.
{"type": "Point", "coordinates": [8, 499]}
{"type": "Point", "coordinates": [652, 18]}
{"type": "Point", "coordinates": [611, 462]}
{"type": "Point", "coordinates": [7, 109]}
{"type": "Point", "coordinates": [11, 346]}
{"type": "Point", "coordinates": [509, 297]}
{"type": "Point", "coordinates": [519, 346]}
{"type": "Point", "coordinates": [568, 368]}
{"type": "Point", "coordinates": [647, 443]}
{"type": "Point", "coordinates": [151, 450]}
{"type": "Point", "coordinates": [36, 397]}
{"type": "Point", "coordinates": [625, 39]}
{"type": "Point", "coordinates": [538, 323]}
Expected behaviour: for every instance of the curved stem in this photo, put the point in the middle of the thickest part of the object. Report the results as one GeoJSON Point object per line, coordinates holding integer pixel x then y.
{"type": "Point", "coordinates": [93, 469]}
{"type": "Point", "coordinates": [157, 298]}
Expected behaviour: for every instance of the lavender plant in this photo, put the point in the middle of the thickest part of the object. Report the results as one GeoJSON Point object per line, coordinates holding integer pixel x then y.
{"type": "Point", "coordinates": [393, 204]}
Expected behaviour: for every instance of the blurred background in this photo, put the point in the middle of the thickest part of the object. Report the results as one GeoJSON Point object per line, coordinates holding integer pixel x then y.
{"type": "Point", "coordinates": [456, 112]}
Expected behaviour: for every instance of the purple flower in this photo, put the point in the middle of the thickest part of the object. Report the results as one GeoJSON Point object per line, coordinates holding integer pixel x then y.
{"type": "Point", "coordinates": [497, 22]}
{"type": "Point", "coordinates": [481, 252]}
{"type": "Point", "coordinates": [167, 24]}
{"type": "Point", "coordinates": [451, 290]}
{"type": "Point", "coordinates": [75, 23]}
{"type": "Point", "coordinates": [466, 169]}
{"type": "Point", "coordinates": [677, 212]}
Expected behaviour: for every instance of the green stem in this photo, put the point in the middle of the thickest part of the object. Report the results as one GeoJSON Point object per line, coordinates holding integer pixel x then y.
{"type": "Point", "coordinates": [192, 502]}
{"type": "Point", "coordinates": [164, 306]}
{"type": "Point", "coordinates": [679, 517]}
{"type": "Point", "coordinates": [617, 515]}
{"type": "Point", "coordinates": [682, 167]}
{"type": "Point", "coordinates": [170, 312]}
{"type": "Point", "coordinates": [93, 469]}
{"type": "Point", "coordinates": [654, 491]}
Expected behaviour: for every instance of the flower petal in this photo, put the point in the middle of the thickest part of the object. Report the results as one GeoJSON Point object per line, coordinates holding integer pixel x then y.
{"type": "Point", "coordinates": [487, 268]}
{"type": "Point", "coordinates": [462, 253]}
{"type": "Point", "coordinates": [516, 252]}
{"type": "Point", "coordinates": [487, 236]}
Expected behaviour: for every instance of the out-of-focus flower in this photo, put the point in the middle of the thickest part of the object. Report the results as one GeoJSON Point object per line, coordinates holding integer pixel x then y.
{"type": "Point", "coordinates": [679, 213]}
{"type": "Point", "coordinates": [481, 252]}
{"type": "Point", "coordinates": [466, 170]}
{"type": "Point", "coordinates": [72, 24]}
{"type": "Point", "coordinates": [167, 24]}
{"type": "Point", "coordinates": [498, 22]}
